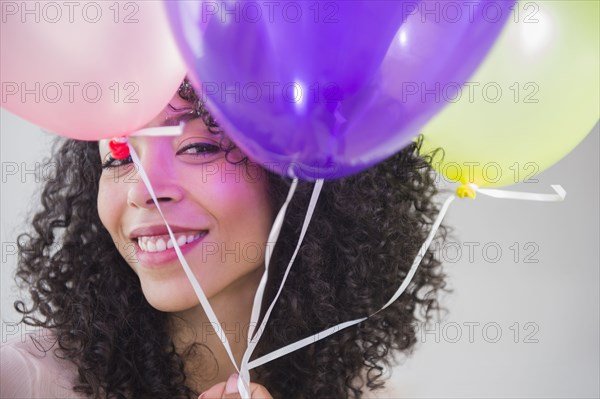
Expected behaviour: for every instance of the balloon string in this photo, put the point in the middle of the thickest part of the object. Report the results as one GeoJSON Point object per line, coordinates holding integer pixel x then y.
{"type": "Point", "coordinates": [244, 377]}
{"type": "Point", "coordinates": [325, 333]}
{"type": "Point", "coordinates": [273, 236]}
{"type": "Point", "coordinates": [252, 342]}
{"type": "Point", "coordinates": [502, 194]}
{"type": "Point", "coordinates": [559, 195]}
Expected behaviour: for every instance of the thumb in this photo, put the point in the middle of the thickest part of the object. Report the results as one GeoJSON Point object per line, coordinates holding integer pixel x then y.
{"type": "Point", "coordinates": [223, 390]}
{"type": "Point", "coordinates": [231, 385]}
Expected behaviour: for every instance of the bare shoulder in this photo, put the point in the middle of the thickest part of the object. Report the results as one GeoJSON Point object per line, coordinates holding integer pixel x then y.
{"type": "Point", "coordinates": [30, 369]}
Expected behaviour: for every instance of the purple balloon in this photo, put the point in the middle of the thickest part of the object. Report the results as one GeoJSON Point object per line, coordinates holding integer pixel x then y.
{"type": "Point", "coordinates": [327, 89]}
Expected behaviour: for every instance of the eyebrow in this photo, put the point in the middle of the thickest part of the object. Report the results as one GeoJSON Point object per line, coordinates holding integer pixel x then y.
{"type": "Point", "coordinates": [180, 115]}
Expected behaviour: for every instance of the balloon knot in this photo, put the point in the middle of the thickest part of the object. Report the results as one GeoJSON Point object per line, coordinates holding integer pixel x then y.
{"type": "Point", "coordinates": [467, 190]}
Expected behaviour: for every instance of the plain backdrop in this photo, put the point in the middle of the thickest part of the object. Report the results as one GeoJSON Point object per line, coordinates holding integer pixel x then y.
{"type": "Point", "coordinates": [523, 318]}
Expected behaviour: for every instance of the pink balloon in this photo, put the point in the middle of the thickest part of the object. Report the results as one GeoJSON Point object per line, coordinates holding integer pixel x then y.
{"type": "Point", "coordinates": [88, 70]}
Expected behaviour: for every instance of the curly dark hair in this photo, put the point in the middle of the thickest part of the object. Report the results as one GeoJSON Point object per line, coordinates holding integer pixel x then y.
{"type": "Point", "coordinates": [363, 237]}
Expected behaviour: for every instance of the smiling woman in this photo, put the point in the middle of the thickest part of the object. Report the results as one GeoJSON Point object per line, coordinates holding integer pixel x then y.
{"type": "Point", "coordinates": [208, 212]}
{"type": "Point", "coordinates": [116, 306]}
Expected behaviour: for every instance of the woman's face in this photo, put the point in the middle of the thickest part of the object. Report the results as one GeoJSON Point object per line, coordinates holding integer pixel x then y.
{"type": "Point", "coordinates": [219, 212]}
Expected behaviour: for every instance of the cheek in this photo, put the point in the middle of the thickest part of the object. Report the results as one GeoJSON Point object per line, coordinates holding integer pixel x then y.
{"type": "Point", "coordinates": [260, 207]}
{"type": "Point", "coordinates": [249, 209]}
{"type": "Point", "coordinates": [241, 203]}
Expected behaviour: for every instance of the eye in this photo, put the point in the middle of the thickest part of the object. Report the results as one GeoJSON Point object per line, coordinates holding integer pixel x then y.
{"type": "Point", "coordinates": [115, 163]}
{"type": "Point", "coordinates": [201, 150]}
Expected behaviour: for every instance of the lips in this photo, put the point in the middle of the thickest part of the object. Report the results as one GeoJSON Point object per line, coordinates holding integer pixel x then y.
{"type": "Point", "coordinates": [154, 247]}
{"type": "Point", "coordinates": [164, 242]}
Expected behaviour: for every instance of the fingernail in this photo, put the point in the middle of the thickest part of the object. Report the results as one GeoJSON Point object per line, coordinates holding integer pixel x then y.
{"type": "Point", "coordinates": [231, 386]}
{"type": "Point", "coordinates": [202, 395]}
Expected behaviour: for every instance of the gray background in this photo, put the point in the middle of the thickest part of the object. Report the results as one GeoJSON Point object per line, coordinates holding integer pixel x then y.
{"type": "Point", "coordinates": [515, 327]}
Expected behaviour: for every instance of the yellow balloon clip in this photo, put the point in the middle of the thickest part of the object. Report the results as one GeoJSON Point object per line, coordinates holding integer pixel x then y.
{"type": "Point", "coordinates": [466, 190]}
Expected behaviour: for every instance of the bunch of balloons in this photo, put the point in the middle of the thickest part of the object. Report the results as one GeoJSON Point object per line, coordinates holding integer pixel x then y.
{"type": "Point", "coordinates": [321, 89]}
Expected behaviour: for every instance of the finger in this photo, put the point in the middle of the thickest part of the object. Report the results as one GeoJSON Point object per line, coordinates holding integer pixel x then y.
{"type": "Point", "coordinates": [256, 392]}
{"type": "Point", "coordinates": [215, 392]}
{"type": "Point", "coordinates": [231, 388]}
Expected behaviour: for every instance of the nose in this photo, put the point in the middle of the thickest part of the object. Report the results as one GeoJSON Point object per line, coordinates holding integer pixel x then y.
{"type": "Point", "coordinates": [157, 161]}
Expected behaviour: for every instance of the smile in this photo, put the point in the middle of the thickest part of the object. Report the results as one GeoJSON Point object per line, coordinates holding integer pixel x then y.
{"type": "Point", "coordinates": [164, 242]}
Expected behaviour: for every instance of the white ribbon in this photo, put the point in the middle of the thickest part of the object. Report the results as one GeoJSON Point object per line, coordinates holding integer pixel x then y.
{"type": "Point", "coordinates": [253, 339]}
{"type": "Point", "coordinates": [160, 131]}
{"type": "Point", "coordinates": [325, 333]}
{"type": "Point", "coordinates": [504, 194]}
{"type": "Point", "coordinates": [252, 342]}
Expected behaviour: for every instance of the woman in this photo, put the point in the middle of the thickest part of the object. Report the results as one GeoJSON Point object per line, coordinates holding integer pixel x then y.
{"type": "Point", "coordinates": [119, 316]}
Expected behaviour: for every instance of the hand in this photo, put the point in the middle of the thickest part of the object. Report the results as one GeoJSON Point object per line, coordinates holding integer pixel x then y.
{"type": "Point", "coordinates": [229, 390]}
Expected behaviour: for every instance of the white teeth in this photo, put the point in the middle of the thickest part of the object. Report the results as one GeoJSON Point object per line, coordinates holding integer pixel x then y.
{"type": "Point", "coordinates": [151, 246]}
{"type": "Point", "coordinates": [157, 243]}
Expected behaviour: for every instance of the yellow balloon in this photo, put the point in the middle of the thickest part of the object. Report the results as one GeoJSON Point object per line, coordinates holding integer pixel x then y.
{"type": "Point", "coordinates": [531, 101]}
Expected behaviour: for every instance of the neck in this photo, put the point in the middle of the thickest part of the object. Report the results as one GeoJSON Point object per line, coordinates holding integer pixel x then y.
{"type": "Point", "coordinates": [211, 364]}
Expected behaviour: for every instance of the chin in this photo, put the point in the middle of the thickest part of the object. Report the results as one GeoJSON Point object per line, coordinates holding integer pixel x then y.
{"type": "Point", "coordinates": [169, 300]}
{"type": "Point", "coordinates": [171, 305]}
